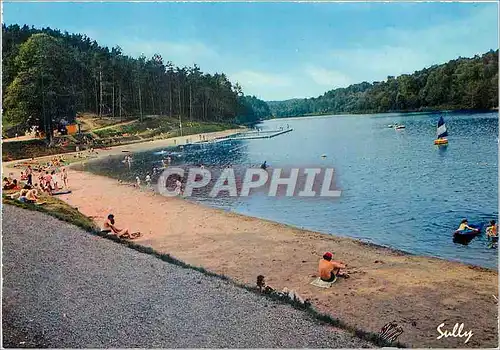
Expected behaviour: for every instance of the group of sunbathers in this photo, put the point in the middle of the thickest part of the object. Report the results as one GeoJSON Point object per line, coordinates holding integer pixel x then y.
{"type": "Point", "coordinates": [28, 193]}
{"type": "Point", "coordinates": [10, 184]}
{"type": "Point", "coordinates": [50, 182]}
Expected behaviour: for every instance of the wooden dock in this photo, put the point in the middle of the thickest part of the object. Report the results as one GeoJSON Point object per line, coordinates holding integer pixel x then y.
{"type": "Point", "coordinates": [252, 135]}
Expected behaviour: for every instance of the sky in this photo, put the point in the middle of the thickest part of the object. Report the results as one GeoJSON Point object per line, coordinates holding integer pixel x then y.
{"type": "Point", "coordinates": [279, 51]}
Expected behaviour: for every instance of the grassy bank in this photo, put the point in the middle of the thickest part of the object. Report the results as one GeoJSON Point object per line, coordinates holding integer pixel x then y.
{"type": "Point", "coordinates": [63, 211]}
{"type": "Point", "coordinates": [31, 149]}
{"type": "Point", "coordinates": [160, 126]}
{"type": "Point", "coordinates": [56, 208]}
{"type": "Point", "coordinates": [123, 134]}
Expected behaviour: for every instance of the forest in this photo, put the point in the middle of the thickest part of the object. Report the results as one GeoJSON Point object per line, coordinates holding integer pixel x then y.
{"type": "Point", "coordinates": [460, 84]}
{"type": "Point", "coordinates": [50, 76]}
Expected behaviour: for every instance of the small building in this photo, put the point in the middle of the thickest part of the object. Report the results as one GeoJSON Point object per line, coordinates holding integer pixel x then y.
{"type": "Point", "coordinates": [72, 129]}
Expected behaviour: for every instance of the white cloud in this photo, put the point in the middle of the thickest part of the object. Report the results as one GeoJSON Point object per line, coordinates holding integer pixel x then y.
{"type": "Point", "coordinates": [330, 78]}
{"type": "Point", "coordinates": [406, 51]}
{"type": "Point", "coordinates": [180, 53]}
{"type": "Point", "coordinates": [377, 64]}
{"type": "Point", "coordinates": [460, 35]}
{"type": "Point", "coordinates": [267, 86]}
{"type": "Point", "coordinates": [257, 79]}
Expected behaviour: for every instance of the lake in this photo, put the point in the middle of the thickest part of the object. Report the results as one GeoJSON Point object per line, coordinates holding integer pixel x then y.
{"type": "Point", "coordinates": [398, 189]}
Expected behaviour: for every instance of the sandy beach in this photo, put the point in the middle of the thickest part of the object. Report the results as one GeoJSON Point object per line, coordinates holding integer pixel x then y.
{"type": "Point", "coordinates": [418, 293]}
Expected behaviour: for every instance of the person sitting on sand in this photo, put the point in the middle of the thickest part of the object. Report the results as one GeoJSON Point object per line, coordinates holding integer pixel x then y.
{"type": "Point", "coordinates": [6, 184]}
{"type": "Point", "coordinates": [464, 225]}
{"type": "Point", "coordinates": [109, 225]}
{"type": "Point", "coordinates": [264, 165]}
{"type": "Point", "coordinates": [45, 187]}
{"type": "Point", "coordinates": [38, 190]}
{"type": "Point", "coordinates": [31, 196]}
{"type": "Point", "coordinates": [14, 185]}
{"type": "Point", "coordinates": [329, 270]}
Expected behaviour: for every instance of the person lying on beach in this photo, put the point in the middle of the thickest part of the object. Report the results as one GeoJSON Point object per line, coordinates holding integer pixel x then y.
{"type": "Point", "coordinates": [329, 270]}
{"type": "Point", "coordinates": [464, 225]}
{"type": "Point", "coordinates": [20, 194]}
{"type": "Point", "coordinates": [109, 225]}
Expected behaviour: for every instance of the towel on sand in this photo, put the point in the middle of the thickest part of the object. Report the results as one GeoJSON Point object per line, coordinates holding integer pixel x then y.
{"type": "Point", "coordinates": [318, 282]}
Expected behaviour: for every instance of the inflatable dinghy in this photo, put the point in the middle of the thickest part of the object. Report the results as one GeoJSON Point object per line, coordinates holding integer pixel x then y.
{"type": "Point", "coordinates": [60, 192]}
{"type": "Point", "coordinates": [465, 236]}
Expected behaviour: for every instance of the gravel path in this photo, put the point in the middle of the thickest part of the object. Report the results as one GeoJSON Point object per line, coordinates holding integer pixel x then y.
{"type": "Point", "coordinates": [65, 288]}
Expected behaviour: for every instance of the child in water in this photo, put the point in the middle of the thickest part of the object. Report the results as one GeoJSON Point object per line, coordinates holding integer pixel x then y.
{"type": "Point", "coordinates": [492, 234]}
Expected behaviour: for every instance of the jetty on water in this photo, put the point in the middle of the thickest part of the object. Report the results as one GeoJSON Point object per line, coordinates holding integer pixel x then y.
{"type": "Point", "coordinates": [250, 135]}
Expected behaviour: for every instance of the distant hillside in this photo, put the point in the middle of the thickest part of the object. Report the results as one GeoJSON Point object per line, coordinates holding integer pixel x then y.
{"type": "Point", "coordinates": [461, 84]}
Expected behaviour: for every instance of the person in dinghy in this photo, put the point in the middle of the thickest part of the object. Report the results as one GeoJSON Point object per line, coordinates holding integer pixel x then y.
{"type": "Point", "coordinates": [464, 225]}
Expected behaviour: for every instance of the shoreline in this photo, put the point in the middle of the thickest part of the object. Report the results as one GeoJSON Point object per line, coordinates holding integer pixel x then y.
{"type": "Point", "coordinates": [134, 147]}
{"type": "Point", "coordinates": [394, 250]}
{"type": "Point", "coordinates": [401, 113]}
{"type": "Point", "coordinates": [379, 246]}
{"type": "Point", "coordinates": [386, 283]}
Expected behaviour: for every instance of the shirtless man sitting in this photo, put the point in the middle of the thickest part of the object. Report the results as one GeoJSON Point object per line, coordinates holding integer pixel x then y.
{"type": "Point", "coordinates": [109, 225]}
{"type": "Point", "coordinates": [329, 270]}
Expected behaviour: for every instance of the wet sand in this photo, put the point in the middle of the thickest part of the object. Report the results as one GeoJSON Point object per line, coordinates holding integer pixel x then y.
{"type": "Point", "coordinates": [419, 293]}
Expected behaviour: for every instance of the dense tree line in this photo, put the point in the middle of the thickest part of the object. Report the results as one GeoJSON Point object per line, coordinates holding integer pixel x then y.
{"type": "Point", "coordinates": [461, 84]}
{"type": "Point", "coordinates": [254, 110]}
{"type": "Point", "coordinates": [49, 75]}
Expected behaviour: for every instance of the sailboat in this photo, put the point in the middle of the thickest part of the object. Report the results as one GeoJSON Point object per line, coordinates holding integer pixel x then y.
{"type": "Point", "coordinates": [441, 133]}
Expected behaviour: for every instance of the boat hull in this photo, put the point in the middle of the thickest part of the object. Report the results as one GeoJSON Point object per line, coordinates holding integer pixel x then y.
{"type": "Point", "coordinates": [441, 142]}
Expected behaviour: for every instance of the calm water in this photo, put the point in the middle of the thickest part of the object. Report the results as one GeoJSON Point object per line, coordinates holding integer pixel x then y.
{"type": "Point", "coordinates": [398, 189]}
